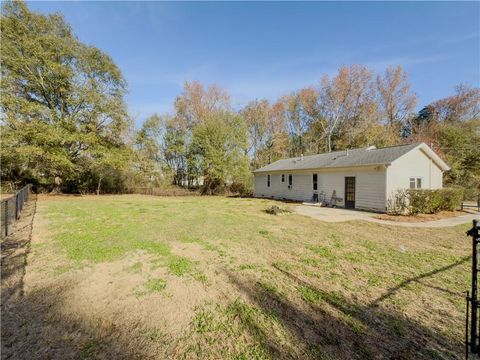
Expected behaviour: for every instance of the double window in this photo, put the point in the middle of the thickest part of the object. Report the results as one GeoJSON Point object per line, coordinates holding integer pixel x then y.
{"type": "Point", "coordinates": [415, 183]}
{"type": "Point", "coordinates": [315, 181]}
{"type": "Point", "coordinates": [290, 180]}
{"type": "Point", "coordinates": [283, 177]}
{"type": "Point", "coordinates": [268, 180]}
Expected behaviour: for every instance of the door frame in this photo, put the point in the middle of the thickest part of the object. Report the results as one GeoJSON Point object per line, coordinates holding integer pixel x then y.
{"type": "Point", "coordinates": [350, 204]}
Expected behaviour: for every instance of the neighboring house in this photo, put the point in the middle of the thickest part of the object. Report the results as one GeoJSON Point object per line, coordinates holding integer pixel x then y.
{"type": "Point", "coordinates": [359, 178]}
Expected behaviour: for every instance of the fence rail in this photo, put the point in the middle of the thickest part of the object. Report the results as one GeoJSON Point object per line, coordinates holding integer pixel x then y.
{"type": "Point", "coordinates": [169, 191]}
{"type": "Point", "coordinates": [11, 208]}
{"type": "Point", "coordinates": [466, 205]}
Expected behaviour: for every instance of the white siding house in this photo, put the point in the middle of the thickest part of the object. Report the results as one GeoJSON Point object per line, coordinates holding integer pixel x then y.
{"type": "Point", "coordinates": [359, 178]}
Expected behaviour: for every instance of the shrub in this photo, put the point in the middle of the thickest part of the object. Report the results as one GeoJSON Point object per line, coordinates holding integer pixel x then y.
{"type": "Point", "coordinates": [398, 203]}
{"type": "Point", "coordinates": [240, 189]}
{"type": "Point", "coordinates": [423, 201]}
{"type": "Point", "coordinates": [452, 198]}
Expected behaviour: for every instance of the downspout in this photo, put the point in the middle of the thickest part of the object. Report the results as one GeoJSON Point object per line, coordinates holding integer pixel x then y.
{"type": "Point", "coordinates": [430, 173]}
{"type": "Point", "coordinates": [386, 187]}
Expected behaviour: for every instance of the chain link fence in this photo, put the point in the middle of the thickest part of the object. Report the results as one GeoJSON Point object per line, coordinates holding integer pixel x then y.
{"type": "Point", "coordinates": [11, 208]}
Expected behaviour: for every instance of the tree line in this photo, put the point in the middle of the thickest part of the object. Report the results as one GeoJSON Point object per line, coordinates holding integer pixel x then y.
{"type": "Point", "coordinates": [66, 127]}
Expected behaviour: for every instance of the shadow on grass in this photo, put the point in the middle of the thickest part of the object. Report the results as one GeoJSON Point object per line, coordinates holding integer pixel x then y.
{"type": "Point", "coordinates": [418, 279]}
{"type": "Point", "coordinates": [15, 249]}
{"type": "Point", "coordinates": [37, 324]}
{"type": "Point", "coordinates": [326, 325]}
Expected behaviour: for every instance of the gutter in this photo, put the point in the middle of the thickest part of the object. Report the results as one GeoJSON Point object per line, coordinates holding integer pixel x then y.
{"type": "Point", "coordinates": [319, 168]}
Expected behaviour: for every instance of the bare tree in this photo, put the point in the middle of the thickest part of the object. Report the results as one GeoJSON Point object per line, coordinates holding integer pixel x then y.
{"type": "Point", "coordinates": [340, 103]}
{"type": "Point", "coordinates": [256, 116]}
{"type": "Point", "coordinates": [464, 105]}
{"type": "Point", "coordinates": [296, 122]}
{"type": "Point", "coordinates": [396, 100]}
{"type": "Point", "coordinates": [196, 103]}
{"type": "Point", "coordinates": [276, 143]}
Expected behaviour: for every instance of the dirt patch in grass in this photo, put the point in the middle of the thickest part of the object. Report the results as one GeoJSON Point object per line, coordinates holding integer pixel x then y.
{"type": "Point", "coordinates": [421, 217]}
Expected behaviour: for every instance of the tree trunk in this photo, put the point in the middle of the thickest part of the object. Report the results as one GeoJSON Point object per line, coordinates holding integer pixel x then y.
{"type": "Point", "coordinates": [99, 183]}
{"type": "Point", "coordinates": [57, 183]}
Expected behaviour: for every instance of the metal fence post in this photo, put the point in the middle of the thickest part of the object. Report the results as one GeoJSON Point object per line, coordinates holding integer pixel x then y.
{"type": "Point", "coordinates": [474, 345]}
{"type": "Point", "coordinates": [473, 328]}
{"type": "Point", "coordinates": [6, 217]}
{"type": "Point", "coordinates": [16, 206]}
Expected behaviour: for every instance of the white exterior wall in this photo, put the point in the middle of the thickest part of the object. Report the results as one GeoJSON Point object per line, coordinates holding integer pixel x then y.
{"type": "Point", "coordinates": [370, 186]}
{"type": "Point", "coordinates": [301, 189]}
{"type": "Point", "coordinates": [415, 163]}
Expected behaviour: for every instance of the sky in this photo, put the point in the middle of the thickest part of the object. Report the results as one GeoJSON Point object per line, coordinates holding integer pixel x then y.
{"type": "Point", "coordinates": [257, 50]}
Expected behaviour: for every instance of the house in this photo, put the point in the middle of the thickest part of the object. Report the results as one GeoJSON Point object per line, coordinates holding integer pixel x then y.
{"type": "Point", "coordinates": [362, 178]}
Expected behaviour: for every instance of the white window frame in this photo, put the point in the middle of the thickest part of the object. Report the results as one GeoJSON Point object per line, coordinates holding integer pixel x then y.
{"type": "Point", "coordinates": [283, 177]}
{"type": "Point", "coordinates": [268, 180]}
{"type": "Point", "coordinates": [415, 180]}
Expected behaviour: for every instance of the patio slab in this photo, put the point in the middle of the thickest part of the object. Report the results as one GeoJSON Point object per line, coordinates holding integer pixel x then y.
{"type": "Point", "coordinates": [340, 215]}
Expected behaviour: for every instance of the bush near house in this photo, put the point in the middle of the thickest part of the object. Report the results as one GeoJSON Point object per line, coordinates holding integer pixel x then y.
{"type": "Point", "coordinates": [423, 201]}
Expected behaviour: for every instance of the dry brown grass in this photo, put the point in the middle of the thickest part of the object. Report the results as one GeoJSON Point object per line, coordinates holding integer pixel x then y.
{"type": "Point", "coordinates": [421, 217]}
{"type": "Point", "coordinates": [228, 281]}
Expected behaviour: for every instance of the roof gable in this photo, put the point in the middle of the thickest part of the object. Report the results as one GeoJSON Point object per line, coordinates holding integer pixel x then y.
{"type": "Point", "coordinates": [427, 151]}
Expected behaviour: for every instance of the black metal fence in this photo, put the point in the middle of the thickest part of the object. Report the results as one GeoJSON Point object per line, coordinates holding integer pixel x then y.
{"type": "Point", "coordinates": [11, 207]}
{"type": "Point", "coordinates": [472, 343]}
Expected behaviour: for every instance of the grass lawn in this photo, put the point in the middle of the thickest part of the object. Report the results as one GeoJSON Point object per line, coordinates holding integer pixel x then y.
{"type": "Point", "coordinates": [218, 278]}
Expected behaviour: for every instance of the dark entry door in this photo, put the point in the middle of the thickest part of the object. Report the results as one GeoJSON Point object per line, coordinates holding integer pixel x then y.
{"type": "Point", "coordinates": [350, 192]}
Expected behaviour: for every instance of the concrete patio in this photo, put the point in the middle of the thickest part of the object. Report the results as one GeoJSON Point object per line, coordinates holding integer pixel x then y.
{"type": "Point", "coordinates": [340, 215]}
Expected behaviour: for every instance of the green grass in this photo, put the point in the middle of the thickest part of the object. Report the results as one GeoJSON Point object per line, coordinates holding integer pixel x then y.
{"type": "Point", "coordinates": [89, 350]}
{"type": "Point", "coordinates": [366, 281]}
{"type": "Point", "coordinates": [151, 286]}
{"type": "Point", "coordinates": [322, 251]}
{"type": "Point", "coordinates": [155, 285]}
{"type": "Point", "coordinates": [310, 295]}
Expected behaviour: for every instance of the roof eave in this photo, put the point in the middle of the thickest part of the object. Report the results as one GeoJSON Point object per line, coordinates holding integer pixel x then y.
{"type": "Point", "coordinates": [442, 164]}
{"type": "Point", "coordinates": [260, 171]}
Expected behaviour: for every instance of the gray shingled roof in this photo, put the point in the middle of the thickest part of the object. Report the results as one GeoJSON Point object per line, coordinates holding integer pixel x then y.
{"type": "Point", "coordinates": [355, 157]}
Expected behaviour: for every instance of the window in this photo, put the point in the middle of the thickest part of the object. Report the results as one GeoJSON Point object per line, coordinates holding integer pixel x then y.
{"type": "Point", "coordinates": [290, 180]}
{"type": "Point", "coordinates": [283, 177]}
{"type": "Point", "coordinates": [315, 181]}
{"type": "Point", "coordinates": [415, 183]}
{"type": "Point", "coordinates": [268, 180]}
